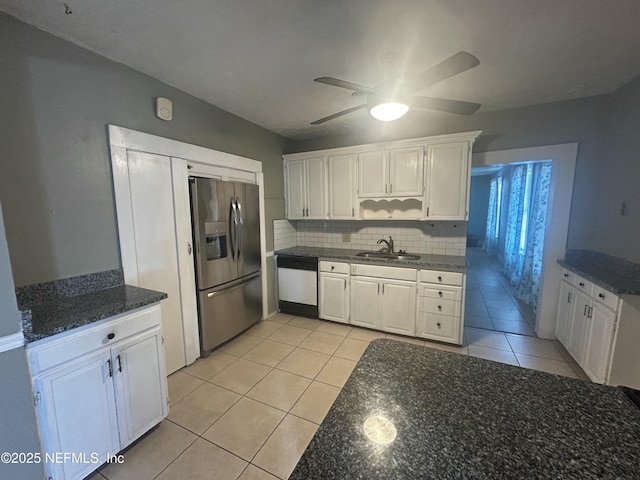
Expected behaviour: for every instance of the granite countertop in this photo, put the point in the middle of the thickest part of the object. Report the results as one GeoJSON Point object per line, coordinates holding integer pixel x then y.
{"type": "Point", "coordinates": [444, 415]}
{"type": "Point", "coordinates": [54, 307]}
{"type": "Point", "coordinates": [614, 274]}
{"type": "Point", "coordinates": [451, 263]}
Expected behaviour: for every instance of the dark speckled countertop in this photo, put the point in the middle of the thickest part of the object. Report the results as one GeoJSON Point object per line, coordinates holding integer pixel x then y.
{"type": "Point", "coordinates": [439, 262]}
{"type": "Point", "coordinates": [615, 274]}
{"type": "Point", "coordinates": [455, 416]}
{"type": "Point", "coordinates": [55, 307]}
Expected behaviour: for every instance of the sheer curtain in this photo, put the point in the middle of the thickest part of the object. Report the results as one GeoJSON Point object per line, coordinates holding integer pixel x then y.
{"type": "Point", "coordinates": [528, 287]}
{"type": "Point", "coordinates": [490, 244]}
{"type": "Point", "coordinates": [517, 194]}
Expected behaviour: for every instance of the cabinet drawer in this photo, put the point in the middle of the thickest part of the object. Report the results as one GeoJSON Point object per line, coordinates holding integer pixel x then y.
{"type": "Point", "coordinates": [439, 306]}
{"type": "Point", "coordinates": [440, 327]}
{"type": "Point", "coordinates": [583, 285]}
{"type": "Point", "coordinates": [445, 278]}
{"type": "Point", "coordinates": [445, 293]}
{"type": "Point", "coordinates": [378, 271]}
{"type": "Point", "coordinates": [605, 297]}
{"type": "Point", "coordinates": [568, 276]}
{"type": "Point", "coordinates": [334, 267]}
{"type": "Point", "coordinates": [52, 351]}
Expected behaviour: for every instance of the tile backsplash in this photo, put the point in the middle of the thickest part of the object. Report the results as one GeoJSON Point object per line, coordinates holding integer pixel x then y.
{"type": "Point", "coordinates": [445, 238]}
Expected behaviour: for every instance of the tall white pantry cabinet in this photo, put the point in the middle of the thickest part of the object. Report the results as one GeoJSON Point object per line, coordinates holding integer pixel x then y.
{"type": "Point", "coordinates": [417, 179]}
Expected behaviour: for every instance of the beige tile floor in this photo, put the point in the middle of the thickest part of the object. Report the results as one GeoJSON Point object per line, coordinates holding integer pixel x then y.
{"type": "Point", "coordinates": [249, 410]}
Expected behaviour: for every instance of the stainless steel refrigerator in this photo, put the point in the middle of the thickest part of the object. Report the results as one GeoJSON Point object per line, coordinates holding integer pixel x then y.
{"type": "Point", "coordinates": [226, 232]}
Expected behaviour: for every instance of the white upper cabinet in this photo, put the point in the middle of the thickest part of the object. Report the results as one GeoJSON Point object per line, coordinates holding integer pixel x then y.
{"type": "Point", "coordinates": [448, 174]}
{"type": "Point", "coordinates": [373, 174]}
{"type": "Point", "coordinates": [405, 172]}
{"type": "Point", "coordinates": [417, 179]}
{"type": "Point", "coordinates": [342, 186]}
{"type": "Point", "coordinates": [391, 173]}
{"type": "Point", "coordinates": [306, 188]}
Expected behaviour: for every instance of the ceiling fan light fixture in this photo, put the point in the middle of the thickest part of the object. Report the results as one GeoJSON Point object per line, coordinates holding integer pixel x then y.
{"type": "Point", "coordinates": [388, 111]}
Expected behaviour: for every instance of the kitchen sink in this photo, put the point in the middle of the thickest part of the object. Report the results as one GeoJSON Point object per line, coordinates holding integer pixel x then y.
{"type": "Point", "coordinates": [388, 255]}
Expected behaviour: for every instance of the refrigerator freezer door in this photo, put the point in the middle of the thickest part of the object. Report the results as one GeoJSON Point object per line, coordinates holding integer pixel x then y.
{"type": "Point", "coordinates": [227, 310]}
{"type": "Point", "coordinates": [214, 231]}
{"type": "Point", "coordinates": [248, 228]}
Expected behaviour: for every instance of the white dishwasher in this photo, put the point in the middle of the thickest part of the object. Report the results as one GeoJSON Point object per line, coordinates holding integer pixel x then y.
{"type": "Point", "coordinates": [298, 285]}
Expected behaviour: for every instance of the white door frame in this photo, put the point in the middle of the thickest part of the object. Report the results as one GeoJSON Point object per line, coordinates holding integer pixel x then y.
{"type": "Point", "coordinates": [186, 159]}
{"type": "Point", "coordinates": [563, 161]}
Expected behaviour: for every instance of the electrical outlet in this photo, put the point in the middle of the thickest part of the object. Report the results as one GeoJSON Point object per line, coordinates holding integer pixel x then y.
{"type": "Point", "coordinates": [346, 238]}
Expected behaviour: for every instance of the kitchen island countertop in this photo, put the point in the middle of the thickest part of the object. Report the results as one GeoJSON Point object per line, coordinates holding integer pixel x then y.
{"type": "Point", "coordinates": [410, 412]}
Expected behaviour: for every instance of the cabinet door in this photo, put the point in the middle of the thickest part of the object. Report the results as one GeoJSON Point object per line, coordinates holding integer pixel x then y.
{"type": "Point", "coordinates": [342, 187]}
{"type": "Point", "coordinates": [448, 174]}
{"type": "Point", "coordinates": [295, 189]}
{"type": "Point", "coordinates": [334, 297]}
{"type": "Point", "coordinates": [77, 414]}
{"type": "Point", "coordinates": [599, 343]}
{"type": "Point", "coordinates": [373, 173]}
{"type": "Point", "coordinates": [579, 327]}
{"type": "Point", "coordinates": [316, 188]}
{"type": "Point", "coordinates": [565, 311]}
{"type": "Point", "coordinates": [405, 172]}
{"type": "Point", "coordinates": [398, 307]}
{"type": "Point", "coordinates": [141, 384]}
{"type": "Point", "coordinates": [364, 302]}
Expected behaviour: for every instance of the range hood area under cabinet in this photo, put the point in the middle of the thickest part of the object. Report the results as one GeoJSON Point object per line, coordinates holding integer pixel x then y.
{"type": "Point", "coordinates": [417, 179]}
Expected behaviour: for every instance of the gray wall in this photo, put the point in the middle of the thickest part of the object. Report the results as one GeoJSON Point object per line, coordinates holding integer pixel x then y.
{"type": "Point", "coordinates": [55, 181]}
{"type": "Point", "coordinates": [479, 205]}
{"type": "Point", "coordinates": [619, 177]}
{"type": "Point", "coordinates": [582, 121]}
{"type": "Point", "coordinates": [18, 430]}
{"type": "Point", "coordinates": [9, 315]}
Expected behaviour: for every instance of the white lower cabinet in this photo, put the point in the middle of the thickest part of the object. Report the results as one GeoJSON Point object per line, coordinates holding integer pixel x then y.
{"type": "Point", "coordinates": [600, 339]}
{"type": "Point", "coordinates": [440, 306]}
{"type": "Point", "coordinates": [98, 389]}
{"type": "Point", "coordinates": [586, 323]}
{"type": "Point", "coordinates": [334, 291]}
{"type": "Point", "coordinates": [397, 307]}
{"type": "Point", "coordinates": [383, 298]}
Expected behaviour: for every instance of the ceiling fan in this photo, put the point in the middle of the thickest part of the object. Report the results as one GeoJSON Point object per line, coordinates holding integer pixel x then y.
{"type": "Point", "coordinates": [391, 100]}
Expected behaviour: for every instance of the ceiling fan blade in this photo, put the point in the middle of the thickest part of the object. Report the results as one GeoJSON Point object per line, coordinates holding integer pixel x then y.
{"type": "Point", "coordinates": [339, 114]}
{"type": "Point", "coordinates": [453, 65]}
{"type": "Point", "coordinates": [444, 105]}
{"type": "Point", "coordinates": [336, 82]}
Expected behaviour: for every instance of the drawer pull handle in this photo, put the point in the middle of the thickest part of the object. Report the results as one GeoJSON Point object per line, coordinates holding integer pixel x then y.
{"type": "Point", "coordinates": [440, 308]}
{"type": "Point", "coordinates": [438, 324]}
{"type": "Point", "coordinates": [111, 336]}
{"type": "Point", "coordinates": [439, 278]}
{"type": "Point", "coordinates": [440, 293]}
{"type": "Point", "coordinates": [601, 295]}
{"type": "Point", "coordinates": [581, 284]}
{"type": "Point", "coordinates": [333, 267]}
{"type": "Point", "coordinates": [566, 275]}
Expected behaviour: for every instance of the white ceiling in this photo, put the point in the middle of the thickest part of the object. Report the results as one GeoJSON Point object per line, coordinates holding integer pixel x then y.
{"type": "Point", "coordinates": [258, 58]}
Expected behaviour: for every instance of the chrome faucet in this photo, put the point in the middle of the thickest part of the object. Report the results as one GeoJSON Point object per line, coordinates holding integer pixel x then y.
{"type": "Point", "coordinates": [389, 244]}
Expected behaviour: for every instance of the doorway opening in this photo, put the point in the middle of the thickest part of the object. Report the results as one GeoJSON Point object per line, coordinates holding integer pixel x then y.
{"type": "Point", "coordinates": [507, 220]}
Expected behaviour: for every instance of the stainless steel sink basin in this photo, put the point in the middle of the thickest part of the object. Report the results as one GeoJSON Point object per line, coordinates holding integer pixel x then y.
{"type": "Point", "coordinates": [389, 256]}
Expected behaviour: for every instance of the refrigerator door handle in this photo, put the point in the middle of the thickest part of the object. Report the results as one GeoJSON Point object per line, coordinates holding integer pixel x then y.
{"type": "Point", "coordinates": [240, 237]}
{"type": "Point", "coordinates": [233, 231]}
{"type": "Point", "coordinates": [233, 285]}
